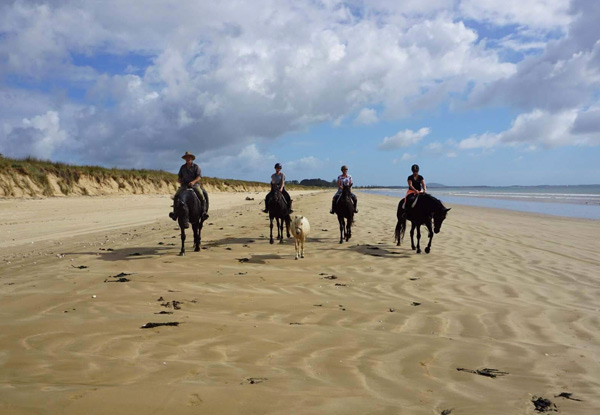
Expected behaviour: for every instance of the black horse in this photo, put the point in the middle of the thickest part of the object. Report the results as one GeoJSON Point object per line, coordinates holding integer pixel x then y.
{"type": "Point", "coordinates": [280, 211]}
{"type": "Point", "coordinates": [189, 210]}
{"type": "Point", "coordinates": [420, 210]}
{"type": "Point", "coordinates": [344, 208]}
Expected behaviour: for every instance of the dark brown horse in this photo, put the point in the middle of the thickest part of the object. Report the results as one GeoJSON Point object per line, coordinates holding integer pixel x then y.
{"type": "Point", "coordinates": [280, 211]}
{"type": "Point", "coordinates": [189, 209]}
{"type": "Point", "coordinates": [344, 208]}
{"type": "Point", "coordinates": [423, 209]}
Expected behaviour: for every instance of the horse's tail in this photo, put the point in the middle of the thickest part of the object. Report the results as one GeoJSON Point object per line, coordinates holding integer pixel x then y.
{"type": "Point", "coordinates": [399, 232]}
{"type": "Point", "coordinates": [401, 225]}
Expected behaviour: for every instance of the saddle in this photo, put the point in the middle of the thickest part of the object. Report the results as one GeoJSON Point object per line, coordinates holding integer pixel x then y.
{"type": "Point", "coordinates": [406, 199]}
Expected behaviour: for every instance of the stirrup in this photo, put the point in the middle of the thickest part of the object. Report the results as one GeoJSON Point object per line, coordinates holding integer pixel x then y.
{"type": "Point", "coordinates": [205, 216]}
{"type": "Point", "coordinates": [172, 215]}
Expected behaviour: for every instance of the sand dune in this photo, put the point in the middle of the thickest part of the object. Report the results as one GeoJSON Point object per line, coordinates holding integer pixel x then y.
{"type": "Point", "coordinates": [261, 333]}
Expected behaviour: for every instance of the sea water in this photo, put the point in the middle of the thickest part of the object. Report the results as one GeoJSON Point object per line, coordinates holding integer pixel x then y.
{"type": "Point", "coordinates": [571, 201]}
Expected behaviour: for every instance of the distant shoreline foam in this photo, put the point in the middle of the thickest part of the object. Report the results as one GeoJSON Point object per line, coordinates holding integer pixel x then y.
{"type": "Point", "coordinates": [526, 199]}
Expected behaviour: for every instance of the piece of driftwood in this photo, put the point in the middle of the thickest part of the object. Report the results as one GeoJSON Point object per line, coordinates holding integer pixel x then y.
{"type": "Point", "coordinates": [490, 373]}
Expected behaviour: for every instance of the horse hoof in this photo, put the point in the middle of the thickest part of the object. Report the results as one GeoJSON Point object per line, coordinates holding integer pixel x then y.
{"type": "Point", "coordinates": [271, 242]}
{"type": "Point", "coordinates": [197, 249]}
{"type": "Point", "coordinates": [296, 257]}
{"type": "Point", "coordinates": [413, 248]}
{"type": "Point", "coordinates": [427, 250]}
{"type": "Point", "coordinates": [301, 256]}
{"type": "Point", "coordinates": [418, 251]}
{"type": "Point", "coordinates": [182, 254]}
{"type": "Point", "coordinates": [341, 241]}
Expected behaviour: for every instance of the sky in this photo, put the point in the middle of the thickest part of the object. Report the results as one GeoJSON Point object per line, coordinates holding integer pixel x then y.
{"type": "Point", "coordinates": [476, 92]}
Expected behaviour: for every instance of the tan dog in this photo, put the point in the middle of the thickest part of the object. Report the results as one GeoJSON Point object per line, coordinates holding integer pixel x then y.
{"type": "Point", "coordinates": [300, 229]}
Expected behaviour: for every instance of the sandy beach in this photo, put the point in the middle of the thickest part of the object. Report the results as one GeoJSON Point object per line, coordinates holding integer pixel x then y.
{"type": "Point", "coordinates": [363, 327]}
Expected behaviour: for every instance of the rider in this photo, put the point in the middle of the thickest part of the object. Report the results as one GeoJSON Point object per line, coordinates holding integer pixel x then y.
{"type": "Point", "coordinates": [278, 178]}
{"type": "Point", "coordinates": [343, 179]}
{"type": "Point", "coordinates": [189, 176]}
{"type": "Point", "coordinates": [416, 182]}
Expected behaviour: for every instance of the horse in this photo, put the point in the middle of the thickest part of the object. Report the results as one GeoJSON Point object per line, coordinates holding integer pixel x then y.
{"type": "Point", "coordinates": [422, 211]}
{"type": "Point", "coordinates": [189, 209]}
{"type": "Point", "coordinates": [280, 211]}
{"type": "Point", "coordinates": [344, 208]}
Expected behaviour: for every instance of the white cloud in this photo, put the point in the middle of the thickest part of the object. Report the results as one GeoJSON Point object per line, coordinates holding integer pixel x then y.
{"type": "Point", "coordinates": [404, 138]}
{"type": "Point", "coordinates": [38, 137]}
{"type": "Point", "coordinates": [532, 13]}
{"type": "Point", "coordinates": [366, 116]}
{"type": "Point", "coordinates": [535, 129]}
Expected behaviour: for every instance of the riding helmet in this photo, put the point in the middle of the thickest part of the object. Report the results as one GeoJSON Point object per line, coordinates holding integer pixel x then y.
{"type": "Point", "coordinates": [344, 167]}
{"type": "Point", "coordinates": [415, 168]}
{"type": "Point", "coordinates": [277, 165]}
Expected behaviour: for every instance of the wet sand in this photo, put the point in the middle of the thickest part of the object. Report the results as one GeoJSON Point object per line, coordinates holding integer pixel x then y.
{"type": "Point", "coordinates": [364, 327]}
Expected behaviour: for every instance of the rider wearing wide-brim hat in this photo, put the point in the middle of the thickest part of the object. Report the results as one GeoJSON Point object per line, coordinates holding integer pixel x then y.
{"type": "Point", "coordinates": [278, 178]}
{"type": "Point", "coordinates": [190, 176]}
{"type": "Point", "coordinates": [343, 179]}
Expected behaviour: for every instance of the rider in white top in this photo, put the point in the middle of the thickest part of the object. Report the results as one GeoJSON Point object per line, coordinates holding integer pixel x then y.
{"type": "Point", "coordinates": [343, 179]}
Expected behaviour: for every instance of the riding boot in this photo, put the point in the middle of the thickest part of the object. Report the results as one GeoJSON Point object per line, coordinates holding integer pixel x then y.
{"type": "Point", "coordinates": [266, 209]}
{"type": "Point", "coordinates": [332, 211]}
{"type": "Point", "coordinates": [355, 204]}
{"type": "Point", "coordinates": [173, 215]}
{"type": "Point", "coordinates": [291, 210]}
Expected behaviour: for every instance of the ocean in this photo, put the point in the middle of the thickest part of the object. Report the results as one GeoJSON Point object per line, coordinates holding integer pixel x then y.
{"type": "Point", "coordinates": [570, 201]}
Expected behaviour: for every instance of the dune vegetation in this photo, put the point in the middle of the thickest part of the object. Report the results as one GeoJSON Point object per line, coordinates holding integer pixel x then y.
{"type": "Point", "coordinates": [31, 177]}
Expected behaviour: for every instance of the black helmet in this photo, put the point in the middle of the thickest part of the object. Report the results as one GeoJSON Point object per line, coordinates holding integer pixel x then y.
{"type": "Point", "coordinates": [277, 165]}
{"type": "Point", "coordinates": [415, 168]}
{"type": "Point", "coordinates": [344, 167]}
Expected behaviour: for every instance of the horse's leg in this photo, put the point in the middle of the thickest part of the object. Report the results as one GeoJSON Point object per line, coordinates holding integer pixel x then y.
{"type": "Point", "coordinates": [182, 252]}
{"type": "Point", "coordinates": [342, 228]}
{"type": "Point", "coordinates": [196, 229]}
{"type": "Point", "coordinates": [271, 226]}
{"type": "Point", "coordinates": [296, 246]}
{"type": "Point", "coordinates": [280, 222]}
{"type": "Point", "coordinates": [412, 233]}
{"type": "Point", "coordinates": [418, 239]}
{"type": "Point", "coordinates": [428, 247]}
{"type": "Point", "coordinates": [200, 225]}
{"type": "Point", "coordinates": [302, 245]}
{"type": "Point", "coordinates": [348, 229]}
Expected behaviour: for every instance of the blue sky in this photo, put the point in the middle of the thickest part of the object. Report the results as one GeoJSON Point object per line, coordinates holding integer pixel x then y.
{"type": "Point", "coordinates": [475, 92]}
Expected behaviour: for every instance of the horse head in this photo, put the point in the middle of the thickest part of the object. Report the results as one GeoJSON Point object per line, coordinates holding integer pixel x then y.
{"type": "Point", "coordinates": [182, 210]}
{"type": "Point", "coordinates": [346, 191]}
{"type": "Point", "coordinates": [439, 215]}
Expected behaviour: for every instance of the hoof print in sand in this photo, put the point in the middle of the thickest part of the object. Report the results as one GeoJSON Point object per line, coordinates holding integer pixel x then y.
{"type": "Point", "coordinates": [415, 304]}
{"type": "Point", "coordinates": [242, 260]}
{"type": "Point", "coordinates": [80, 266]}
